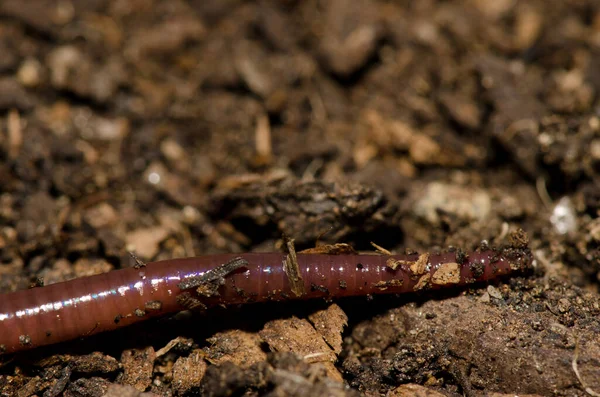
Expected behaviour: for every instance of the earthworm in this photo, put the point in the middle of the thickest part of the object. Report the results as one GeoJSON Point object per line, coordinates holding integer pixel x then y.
{"type": "Point", "coordinates": [104, 302]}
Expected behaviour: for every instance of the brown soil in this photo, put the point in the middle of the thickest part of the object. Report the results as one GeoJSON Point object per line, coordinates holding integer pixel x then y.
{"type": "Point", "coordinates": [179, 128]}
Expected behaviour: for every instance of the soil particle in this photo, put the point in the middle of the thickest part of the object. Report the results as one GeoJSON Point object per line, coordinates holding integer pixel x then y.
{"type": "Point", "coordinates": [315, 204]}
{"type": "Point", "coordinates": [85, 267]}
{"type": "Point", "coordinates": [10, 57]}
{"type": "Point", "coordinates": [284, 374]}
{"type": "Point", "coordinates": [447, 273]}
{"type": "Point", "coordinates": [14, 96]}
{"type": "Point", "coordinates": [188, 373]}
{"type": "Point", "coordinates": [115, 390]}
{"type": "Point", "coordinates": [330, 323]}
{"type": "Point", "coordinates": [300, 337]}
{"type": "Point", "coordinates": [350, 36]}
{"type": "Point", "coordinates": [423, 283]}
{"type": "Point", "coordinates": [395, 263]}
{"type": "Point", "coordinates": [93, 363]}
{"type": "Point", "coordinates": [228, 379]}
{"type": "Point", "coordinates": [462, 110]}
{"type": "Point", "coordinates": [515, 126]}
{"type": "Point", "coordinates": [412, 390]}
{"type": "Point", "coordinates": [419, 267]}
{"type": "Point", "coordinates": [74, 71]}
{"type": "Point", "coordinates": [145, 242]}
{"type": "Point", "coordinates": [101, 215]}
{"type": "Point", "coordinates": [293, 376]}
{"type": "Point", "coordinates": [380, 333]}
{"type": "Point", "coordinates": [33, 386]}
{"type": "Point", "coordinates": [464, 203]}
{"type": "Point", "coordinates": [137, 368]}
{"type": "Point", "coordinates": [46, 17]}
{"type": "Point", "coordinates": [331, 249]}
{"type": "Point", "coordinates": [510, 395]}
{"type": "Point", "coordinates": [241, 348]}
{"type": "Point", "coordinates": [166, 38]}
{"type": "Point", "coordinates": [89, 387]}
{"type": "Point", "coordinates": [59, 386]}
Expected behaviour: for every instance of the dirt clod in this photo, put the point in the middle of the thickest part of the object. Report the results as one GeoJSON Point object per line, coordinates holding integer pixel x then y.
{"type": "Point", "coordinates": [188, 373]}
{"type": "Point", "coordinates": [241, 348]}
{"type": "Point", "coordinates": [137, 368]}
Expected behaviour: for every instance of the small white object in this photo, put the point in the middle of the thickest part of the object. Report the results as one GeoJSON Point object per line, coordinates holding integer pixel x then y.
{"type": "Point", "coordinates": [154, 178]}
{"type": "Point", "coordinates": [563, 216]}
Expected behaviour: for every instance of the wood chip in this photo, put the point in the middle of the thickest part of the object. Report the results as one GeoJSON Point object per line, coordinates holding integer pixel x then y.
{"type": "Point", "coordinates": [292, 270]}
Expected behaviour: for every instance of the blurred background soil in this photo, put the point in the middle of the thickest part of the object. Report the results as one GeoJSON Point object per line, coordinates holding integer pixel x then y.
{"type": "Point", "coordinates": [175, 128]}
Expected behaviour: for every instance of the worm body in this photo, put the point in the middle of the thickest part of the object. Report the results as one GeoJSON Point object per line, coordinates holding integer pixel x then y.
{"type": "Point", "coordinates": [104, 302]}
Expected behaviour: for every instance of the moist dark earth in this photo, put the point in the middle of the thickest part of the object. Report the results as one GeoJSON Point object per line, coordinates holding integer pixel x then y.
{"type": "Point", "coordinates": [174, 129]}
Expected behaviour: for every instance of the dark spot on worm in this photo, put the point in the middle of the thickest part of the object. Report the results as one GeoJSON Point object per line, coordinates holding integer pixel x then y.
{"type": "Point", "coordinates": [320, 288]}
{"type": "Point", "coordinates": [496, 257]}
{"type": "Point", "coordinates": [153, 305]}
{"type": "Point", "coordinates": [48, 334]}
{"type": "Point", "coordinates": [239, 291]}
{"type": "Point", "coordinates": [477, 269]}
{"type": "Point", "coordinates": [359, 266]}
{"type": "Point", "coordinates": [25, 340]}
{"type": "Point", "coordinates": [250, 297]}
{"type": "Point", "coordinates": [461, 256]}
{"type": "Point", "coordinates": [343, 284]}
{"type": "Point", "coordinates": [139, 312]}
{"type": "Point", "coordinates": [430, 316]}
{"type": "Point", "coordinates": [118, 318]}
